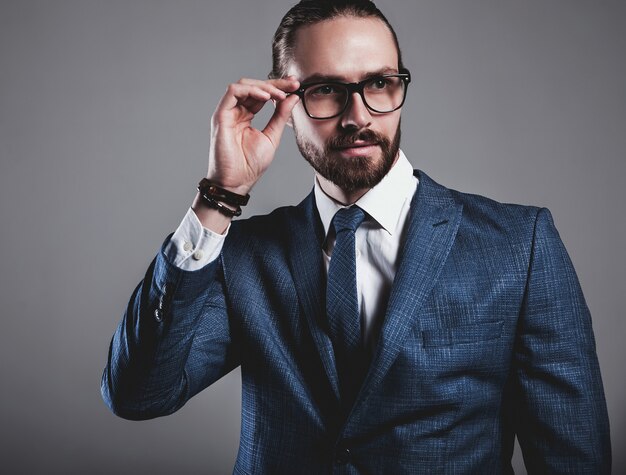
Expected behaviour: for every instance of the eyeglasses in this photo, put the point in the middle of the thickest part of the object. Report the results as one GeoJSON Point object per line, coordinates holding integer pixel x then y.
{"type": "Point", "coordinates": [382, 94]}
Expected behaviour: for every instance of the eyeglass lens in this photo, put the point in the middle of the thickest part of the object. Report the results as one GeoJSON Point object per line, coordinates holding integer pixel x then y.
{"type": "Point", "coordinates": [381, 94]}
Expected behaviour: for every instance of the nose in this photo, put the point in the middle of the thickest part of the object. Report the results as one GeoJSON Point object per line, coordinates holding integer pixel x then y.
{"type": "Point", "coordinates": [356, 115]}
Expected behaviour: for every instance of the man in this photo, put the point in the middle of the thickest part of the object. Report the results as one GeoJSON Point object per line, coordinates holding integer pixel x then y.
{"type": "Point", "coordinates": [386, 324]}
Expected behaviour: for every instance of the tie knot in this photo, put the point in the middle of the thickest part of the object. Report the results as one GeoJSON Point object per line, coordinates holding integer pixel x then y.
{"type": "Point", "coordinates": [348, 219]}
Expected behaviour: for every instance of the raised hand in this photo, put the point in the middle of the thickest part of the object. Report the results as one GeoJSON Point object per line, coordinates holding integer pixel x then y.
{"type": "Point", "coordinates": [239, 153]}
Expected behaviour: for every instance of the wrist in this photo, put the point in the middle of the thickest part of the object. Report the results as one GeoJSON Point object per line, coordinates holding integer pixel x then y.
{"type": "Point", "coordinates": [210, 217]}
{"type": "Point", "coordinates": [214, 194]}
{"type": "Point", "coordinates": [240, 189]}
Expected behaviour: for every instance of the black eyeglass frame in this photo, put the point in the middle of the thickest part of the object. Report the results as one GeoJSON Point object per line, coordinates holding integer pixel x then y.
{"type": "Point", "coordinates": [357, 87]}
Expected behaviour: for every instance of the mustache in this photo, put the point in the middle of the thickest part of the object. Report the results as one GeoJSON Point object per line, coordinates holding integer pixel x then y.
{"type": "Point", "coordinates": [367, 135]}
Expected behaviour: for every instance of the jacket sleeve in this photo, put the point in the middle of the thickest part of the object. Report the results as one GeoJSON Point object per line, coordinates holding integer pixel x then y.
{"type": "Point", "coordinates": [561, 415]}
{"type": "Point", "coordinates": [174, 340]}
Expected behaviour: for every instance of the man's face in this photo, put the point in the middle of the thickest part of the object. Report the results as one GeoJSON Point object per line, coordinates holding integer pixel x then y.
{"type": "Point", "coordinates": [356, 149]}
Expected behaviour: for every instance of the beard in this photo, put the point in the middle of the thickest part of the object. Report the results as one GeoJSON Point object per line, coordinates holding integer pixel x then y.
{"type": "Point", "coordinates": [351, 173]}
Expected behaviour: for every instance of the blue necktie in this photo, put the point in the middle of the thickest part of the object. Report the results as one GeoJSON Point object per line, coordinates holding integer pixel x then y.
{"type": "Point", "coordinates": [342, 306]}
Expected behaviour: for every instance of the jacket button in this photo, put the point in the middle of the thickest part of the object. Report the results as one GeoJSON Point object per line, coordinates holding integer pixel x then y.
{"type": "Point", "coordinates": [343, 456]}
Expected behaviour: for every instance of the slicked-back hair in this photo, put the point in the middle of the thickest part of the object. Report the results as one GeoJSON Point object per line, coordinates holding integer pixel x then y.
{"type": "Point", "coordinates": [309, 12]}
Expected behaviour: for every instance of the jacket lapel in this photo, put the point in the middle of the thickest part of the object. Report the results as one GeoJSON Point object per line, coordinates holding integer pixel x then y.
{"type": "Point", "coordinates": [307, 267]}
{"type": "Point", "coordinates": [433, 222]}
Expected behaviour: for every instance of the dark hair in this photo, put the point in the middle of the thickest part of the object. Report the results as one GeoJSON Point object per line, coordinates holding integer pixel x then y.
{"type": "Point", "coordinates": [309, 12]}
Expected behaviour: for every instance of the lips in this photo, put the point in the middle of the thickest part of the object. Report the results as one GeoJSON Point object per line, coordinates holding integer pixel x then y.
{"type": "Point", "coordinates": [358, 149]}
{"type": "Point", "coordinates": [358, 144]}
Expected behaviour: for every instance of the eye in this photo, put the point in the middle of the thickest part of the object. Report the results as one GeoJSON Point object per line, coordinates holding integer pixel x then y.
{"type": "Point", "coordinates": [379, 83]}
{"type": "Point", "coordinates": [325, 90]}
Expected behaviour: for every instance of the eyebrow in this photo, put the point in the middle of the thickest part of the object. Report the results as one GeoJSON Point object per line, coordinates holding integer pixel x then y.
{"type": "Point", "coordinates": [336, 78]}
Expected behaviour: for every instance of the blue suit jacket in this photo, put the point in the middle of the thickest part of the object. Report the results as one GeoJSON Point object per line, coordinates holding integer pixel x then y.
{"type": "Point", "coordinates": [486, 335]}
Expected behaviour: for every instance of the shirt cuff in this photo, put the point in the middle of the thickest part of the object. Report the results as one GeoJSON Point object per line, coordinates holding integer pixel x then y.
{"type": "Point", "coordinates": [193, 246]}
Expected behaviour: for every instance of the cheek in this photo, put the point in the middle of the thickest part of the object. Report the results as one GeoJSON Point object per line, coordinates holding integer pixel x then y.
{"type": "Point", "coordinates": [390, 125]}
{"type": "Point", "coordinates": [317, 131]}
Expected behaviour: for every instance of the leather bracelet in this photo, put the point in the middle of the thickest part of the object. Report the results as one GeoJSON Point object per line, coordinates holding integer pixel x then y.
{"type": "Point", "coordinates": [205, 187]}
{"type": "Point", "coordinates": [225, 210]}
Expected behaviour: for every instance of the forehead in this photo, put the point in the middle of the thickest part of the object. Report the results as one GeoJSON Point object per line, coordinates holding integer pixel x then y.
{"type": "Point", "coordinates": [346, 47]}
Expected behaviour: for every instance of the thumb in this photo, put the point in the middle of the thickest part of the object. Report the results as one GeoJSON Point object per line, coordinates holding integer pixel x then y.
{"type": "Point", "coordinates": [274, 128]}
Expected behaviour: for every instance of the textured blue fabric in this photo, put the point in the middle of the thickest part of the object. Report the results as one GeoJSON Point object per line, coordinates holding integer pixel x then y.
{"type": "Point", "coordinates": [342, 305]}
{"type": "Point", "coordinates": [486, 336]}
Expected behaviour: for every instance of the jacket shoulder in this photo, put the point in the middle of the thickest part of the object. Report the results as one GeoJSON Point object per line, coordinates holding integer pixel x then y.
{"type": "Point", "coordinates": [487, 220]}
{"type": "Point", "coordinates": [487, 211]}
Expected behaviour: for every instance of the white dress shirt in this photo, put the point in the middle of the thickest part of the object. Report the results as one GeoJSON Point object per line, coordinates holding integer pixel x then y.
{"type": "Point", "coordinates": [378, 241]}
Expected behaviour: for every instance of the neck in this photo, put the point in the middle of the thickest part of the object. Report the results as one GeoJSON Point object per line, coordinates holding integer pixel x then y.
{"type": "Point", "coordinates": [339, 194]}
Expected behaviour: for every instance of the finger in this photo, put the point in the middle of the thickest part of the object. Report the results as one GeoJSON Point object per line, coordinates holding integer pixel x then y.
{"type": "Point", "coordinates": [279, 86]}
{"type": "Point", "coordinates": [274, 128]}
{"type": "Point", "coordinates": [246, 96]}
{"type": "Point", "coordinates": [253, 105]}
{"type": "Point", "coordinates": [288, 84]}
{"type": "Point", "coordinates": [260, 92]}
{"type": "Point", "coordinates": [238, 93]}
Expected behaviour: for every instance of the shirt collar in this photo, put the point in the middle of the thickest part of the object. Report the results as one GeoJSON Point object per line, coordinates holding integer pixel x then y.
{"type": "Point", "coordinates": [384, 202]}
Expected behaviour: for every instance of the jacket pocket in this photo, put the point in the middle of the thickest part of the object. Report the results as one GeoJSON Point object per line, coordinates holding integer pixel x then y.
{"type": "Point", "coordinates": [462, 334]}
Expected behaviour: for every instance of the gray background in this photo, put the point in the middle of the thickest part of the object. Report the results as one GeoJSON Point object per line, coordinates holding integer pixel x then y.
{"type": "Point", "coordinates": [104, 110]}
